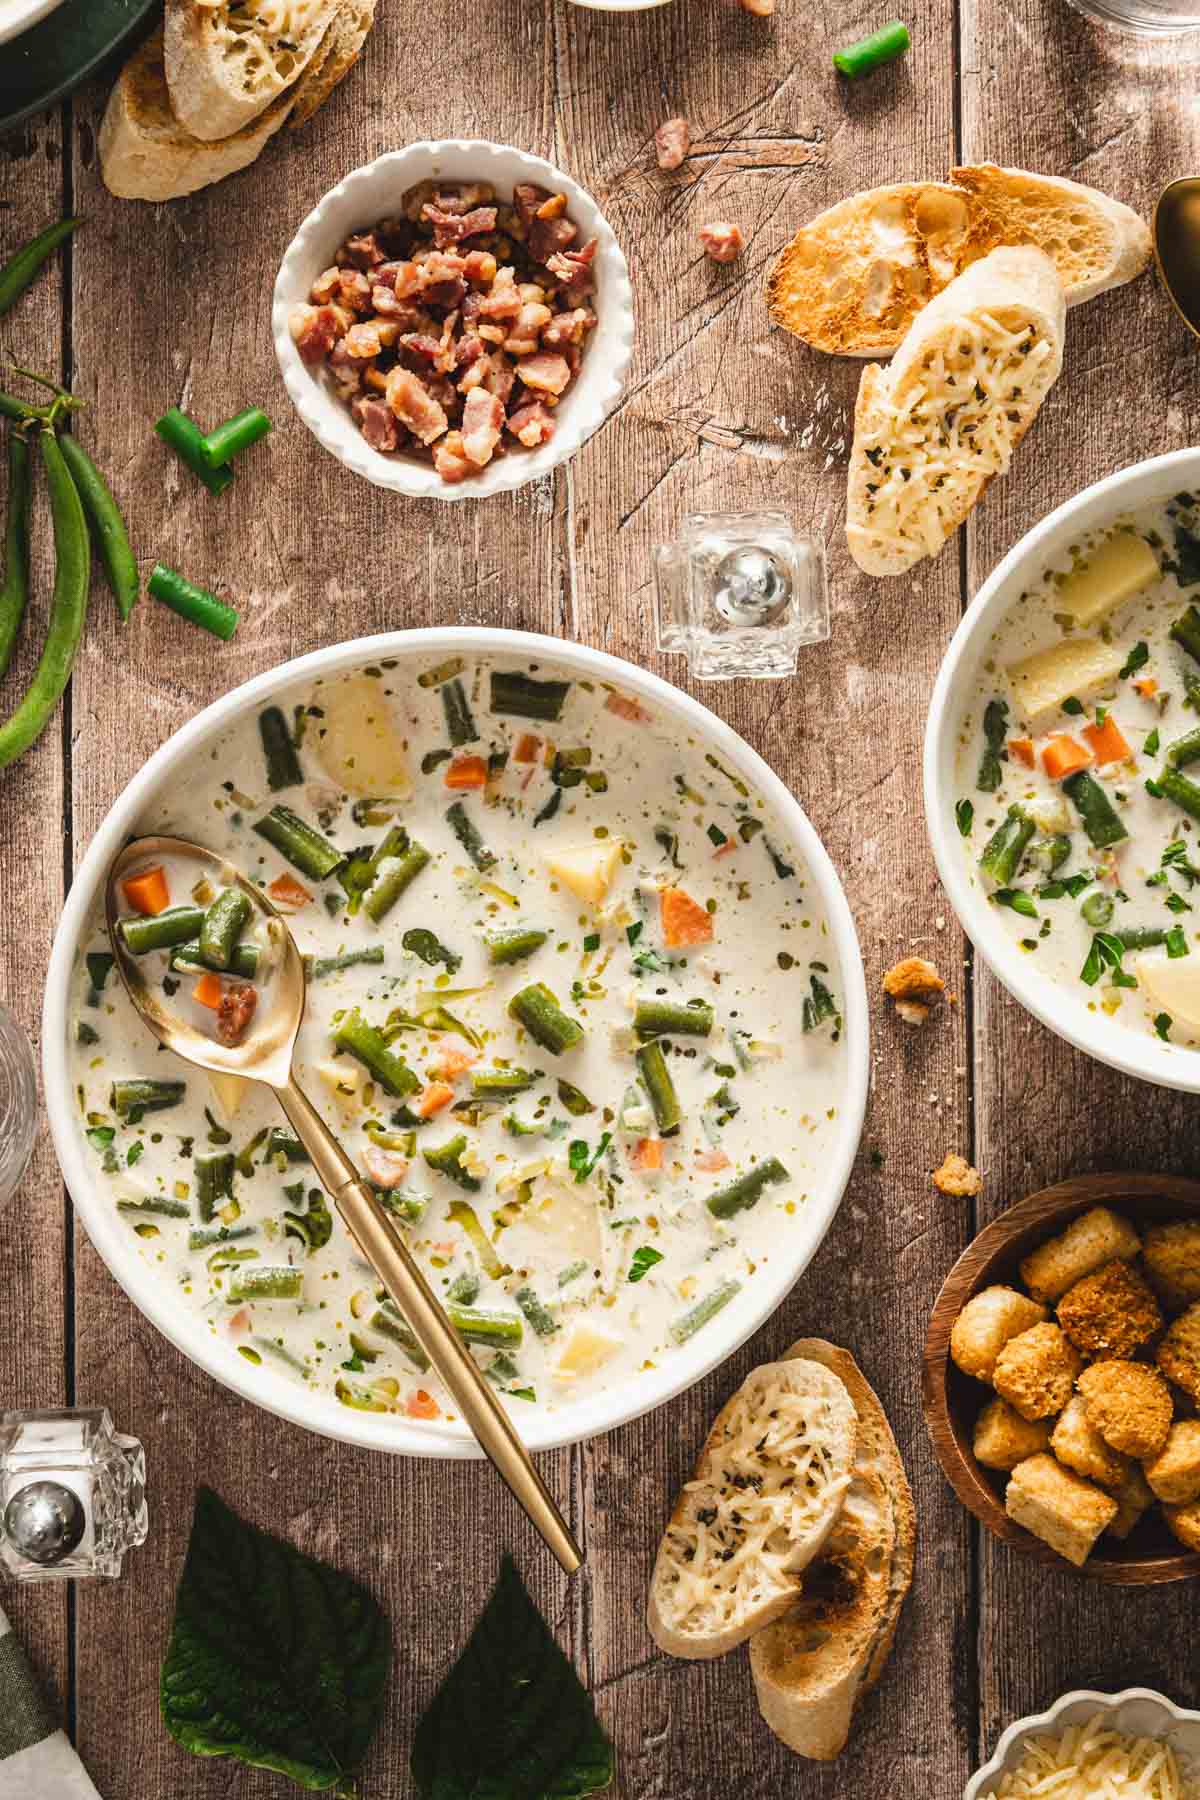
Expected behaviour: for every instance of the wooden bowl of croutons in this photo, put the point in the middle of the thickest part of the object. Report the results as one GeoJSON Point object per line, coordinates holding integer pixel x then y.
{"type": "Point", "coordinates": [1061, 1377]}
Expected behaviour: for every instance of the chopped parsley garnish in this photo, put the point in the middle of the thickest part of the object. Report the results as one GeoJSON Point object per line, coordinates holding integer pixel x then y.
{"type": "Point", "coordinates": [582, 1159]}
{"type": "Point", "coordinates": [1017, 899]}
{"type": "Point", "coordinates": [1162, 1024]}
{"type": "Point", "coordinates": [964, 814]}
{"type": "Point", "coordinates": [1073, 706]}
{"type": "Point", "coordinates": [1137, 659]}
{"type": "Point", "coordinates": [643, 1261]}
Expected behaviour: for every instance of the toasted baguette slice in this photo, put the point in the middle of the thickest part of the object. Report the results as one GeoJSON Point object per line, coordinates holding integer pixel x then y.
{"type": "Point", "coordinates": [852, 281]}
{"type": "Point", "coordinates": [340, 50]}
{"type": "Point", "coordinates": [227, 61]}
{"type": "Point", "coordinates": [934, 428]}
{"type": "Point", "coordinates": [764, 1497]}
{"type": "Point", "coordinates": [812, 1667]}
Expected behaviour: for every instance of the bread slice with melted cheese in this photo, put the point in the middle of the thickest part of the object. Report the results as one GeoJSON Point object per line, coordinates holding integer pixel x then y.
{"type": "Point", "coordinates": [813, 1666]}
{"type": "Point", "coordinates": [942, 421]}
{"type": "Point", "coordinates": [764, 1498]}
{"type": "Point", "coordinates": [227, 61]}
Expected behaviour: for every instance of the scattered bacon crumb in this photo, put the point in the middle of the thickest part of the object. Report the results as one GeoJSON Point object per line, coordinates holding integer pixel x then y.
{"type": "Point", "coordinates": [672, 141]}
{"type": "Point", "coordinates": [711, 1161]}
{"type": "Point", "coordinates": [528, 748]}
{"type": "Point", "coordinates": [647, 1154]}
{"type": "Point", "coordinates": [285, 890]}
{"type": "Point", "coordinates": [235, 1013]}
{"type": "Point", "coordinates": [722, 241]}
{"type": "Point", "coordinates": [684, 921]}
{"type": "Point", "coordinates": [626, 708]}
{"type": "Point", "coordinates": [957, 1177]}
{"type": "Point", "coordinates": [915, 986]}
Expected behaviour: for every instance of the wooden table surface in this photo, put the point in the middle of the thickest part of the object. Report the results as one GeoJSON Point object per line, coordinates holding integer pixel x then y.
{"type": "Point", "coordinates": [171, 304]}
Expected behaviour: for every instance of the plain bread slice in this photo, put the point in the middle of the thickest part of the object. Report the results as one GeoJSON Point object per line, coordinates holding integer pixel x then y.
{"type": "Point", "coordinates": [1094, 241]}
{"type": "Point", "coordinates": [340, 50]}
{"type": "Point", "coordinates": [227, 61]}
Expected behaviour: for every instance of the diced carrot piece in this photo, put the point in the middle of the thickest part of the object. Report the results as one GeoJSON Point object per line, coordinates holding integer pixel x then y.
{"type": "Point", "coordinates": [683, 921]}
{"type": "Point", "coordinates": [1147, 687]}
{"type": "Point", "coordinates": [625, 708]}
{"type": "Point", "coordinates": [527, 748]}
{"type": "Point", "coordinates": [1107, 741]}
{"type": "Point", "coordinates": [421, 1405]}
{"type": "Point", "coordinates": [1063, 756]}
{"type": "Point", "coordinates": [287, 891]}
{"type": "Point", "coordinates": [712, 1160]}
{"type": "Point", "coordinates": [467, 772]}
{"type": "Point", "coordinates": [208, 991]}
{"type": "Point", "coordinates": [647, 1154]}
{"type": "Point", "coordinates": [452, 1063]}
{"type": "Point", "coordinates": [726, 849]}
{"type": "Point", "coordinates": [147, 892]}
{"type": "Point", "coordinates": [433, 1098]}
{"type": "Point", "coordinates": [1022, 749]}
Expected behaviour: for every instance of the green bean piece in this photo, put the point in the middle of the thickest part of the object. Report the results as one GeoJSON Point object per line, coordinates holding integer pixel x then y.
{"type": "Point", "coordinates": [664, 1018]}
{"type": "Point", "coordinates": [656, 1078]}
{"type": "Point", "coordinates": [390, 1323]}
{"type": "Point", "coordinates": [313, 1226]}
{"type": "Point", "coordinates": [375, 810]}
{"type": "Point", "coordinates": [1141, 937]}
{"type": "Point", "coordinates": [459, 722]}
{"type": "Point", "coordinates": [467, 833]}
{"type": "Point", "coordinates": [572, 1272]}
{"type": "Point", "coordinates": [22, 268]}
{"type": "Point", "coordinates": [267, 1281]}
{"type": "Point", "coordinates": [512, 945]}
{"type": "Point", "coordinates": [108, 529]}
{"type": "Point", "coordinates": [1184, 750]}
{"type": "Point", "coordinates": [883, 46]}
{"type": "Point", "coordinates": [1186, 632]}
{"type": "Point", "coordinates": [500, 1084]}
{"type": "Point", "coordinates": [453, 665]}
{"type": "Point", "coordinates": [1050, 853]}
{"type": "Point", "coordinates": [14, 591]}
{"type": "Point", "coordinates": [1097, 910]}
{"type": "Point", "coordinates": [283, 765]}
{"type": "Point", "coordinates": [139, 1094]}
{"type": "Point", "coordinates": [409, 1207]}
{"type": "Point", "coordinates": [1094, 807]}
{"type": "Point", "coordinates": [520, 696]}
{"type": "Point", "coordinates": [300, 843]}
{"type": "Point", "coordinates": [283, 1149]}
{"type": "Point", "coordinates": [186, 439]}
{"type": "Point", "coordinates": [214, 1183]}
{"type": "Point", "coordinates": [195, 604]}
{"type": "Point", "coordinates": [476, 1327]}
{"type": "Point", "coordinates": [68, 608]}
{"type": "Point", "coordinates": [748, 1190]}
{"type": "Point", "coordinates": [368, 1045]}
{"type": "Point", "coordinates": [1007, 845]}
{"type": "Point", "coordinates": [1180, 791]}
{"type": "Point", "coordinates": [686, 1326]}
{"type": "Point", "coordinates": [162, 931]}
{"type": "Point", "coordinates": [318, 967]}
{"type": "Point", "coordinates": [464, 1289]}
{"type": "Point", "coordinates": [574, 1099]}
{"type": "Point", "coordinates": [537, 1009]}
{"type": "Point", "coordinates": [243, 961]}
{"type": "Point", "coordinates": [393, 874]}
{"type": "Point", "coordinates": [207, 1237]}
{"type": "Point", "coordinates": [155, 1206]}
{"type": "Point", "coordinates": [446, 1159]}
{"type": "Point", "coordinates": [222, 925]}
{"type": "Point", "coordinates": [224, 442]}
{"type": "Point", "coordinates": [538, 1315]}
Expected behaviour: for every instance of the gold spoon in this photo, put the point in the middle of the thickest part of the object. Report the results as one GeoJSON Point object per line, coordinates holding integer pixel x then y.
{"type": "Point", "coordinates": [266, 1056]}
{"type": "Point", "coordinates": [1176, 232]}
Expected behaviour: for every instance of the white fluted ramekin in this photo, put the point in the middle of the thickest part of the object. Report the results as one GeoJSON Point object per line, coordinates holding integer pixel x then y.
{"type": "Point", "coordinates": [1137, 1712]}
{"type": "Point", "coordinates": [373, 193]}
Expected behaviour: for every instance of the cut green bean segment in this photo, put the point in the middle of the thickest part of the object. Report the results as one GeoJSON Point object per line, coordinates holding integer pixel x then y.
{"type": "Point", "coordinates": [243, 960]}
{"type": "Point", "coordinates": [14, 591]}
{"type": "Point", "coordinates": [1007, 845]}
{"type": "Point", "coordinates": [500, 1084]}
{"type": "Point", "coordinates": [409, 1207]}
{"type": "Point", "coordinates": [540, 1319]}
{"type": "Point", "coordinates": [513, 945]}
{"type": "Point", "coordinates": [468, 835]}
{"type": "Point", "coordinates": [459, 722]}
{"type": "Point", "coordinates": [393, 873]}
{"type": "Point", "coordinates": [883, 46]}
{"type": "Point", "coordinates": [681, 1329]}
{"type": "Point", "coordinates": [178, 925]}
{"type": "Point", "coordinates": [1186, 632]}
{"type": "Point", "coordinates": [186, 439]}
{"type": "Point", "coordinates": [155, 1206]}
{"type": "Point", "coordinates": [1180, 792]}
{"type": "Point", "coordinates": [1184, 750]}
{"type": "Point", "coordinates": [572, 1272]}
{"type": "Point", "coordinates": [522, 697]}
{"type": "Point", "coordinates": [283, 765]}
{"type": "Point", "coordinates": [464, 1289]}
{"type": "Point", "coordinates": [214, 1183]}
{"type": "Point", "coordinates": [477, 1327]}
{"type": "Point", "coordinates": [1141, 937]}
{"type": "Point", "coordinates": [819, 1005]}
{"type": "Point", "coordinates": [318, 967]}
{"type": "Point", "coordinates": [1094, 807]}
{"type": "Point", "coordinates": [748, 1190]}
{"type": "Point", "coordinates": [368, 1045]}
{"type": "Point", "coordinates": [1050, 853]}
{"type": "Point", "coordinates": [656, 1078]}
{"type": "Point", "coordinates": [207, 1237]}
{"type": "Point", "coordinates": [109, 534]}
{"type": "Point", "coordinates": [446, 1159]}
{"type": "Point", "coordinates": [195, 604]}
{"type": "Point", "coordinates": [267, 1281]}
{"type": "Point", "coordinates": [224, 442]}
{"type": "Point", "coordinates": [300, 843]}
{"type": "Point", "coordinates": [664, 1018]}
{"type": "Point", "coordinates": [442, 671]}
{"type": "Point", "coordinates": [141, 1094]}
{"type": "Point", "coordinates": [222, 925]}
{"type": "Point", "coordinates": [537, 1009]}
{"type": "Point", "coordinates": [390, 1323]}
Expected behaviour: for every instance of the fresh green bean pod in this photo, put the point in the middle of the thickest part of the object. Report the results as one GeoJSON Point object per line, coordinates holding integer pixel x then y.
{"type": "Point", "coordinates": [243, 961]}
{"type": "Point", "coordinates": [681, 1329]}
{"type": "Point", "coordinates": [476, 1327]}
{"type": "Point", "coordinates": [536, 1008]}
{"type": "Point", "coordinates": [664, 1018]}
{"type": "Point", "coordinates": [1180, 792]}
{"type": "Point", "coordinates": [108, 529]}
{"type": "Point", "coordinates": [1007, 845]}
{"type": "Point", "coordinates": [459, 722]}
{"type": "Point", "coordinates": [21, 269]}
{"type": "Point", "coordinates": [283, 765]}
{"type": "Point", "coordinates": [214, 1183]}
{"type": "Point", "coordinates": [221, 926]}
{"type": "Point", "coordinates": [143, 1094]}
{"type": "Point", "coordinates": [300, 843]}
{"type": "Point", "coordinates": [266, 1281]}
{"type": "Point", "coordinates": [179, 925]}
{"type": "Point", "coordinates": [1094, 807]}
{"type": "Point", "coordinates": [368, 1045]}
{"type": "Point", "coordinates": [748, 1190]}
{"type": "Point", "coordinates": [14, 592]}
{"type": "Point", "coordinates": [467, 833]}
{"type": "Point", "coordinates": [656, 1078]}
{"type": "Point", "coordinates": [512, 945]}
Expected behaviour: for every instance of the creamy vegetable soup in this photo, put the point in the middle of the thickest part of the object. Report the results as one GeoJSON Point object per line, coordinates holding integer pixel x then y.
{"type": "Point", "coordinates": [1077, 812]}
{"type": "Point", "coordinates": [573, 1009]}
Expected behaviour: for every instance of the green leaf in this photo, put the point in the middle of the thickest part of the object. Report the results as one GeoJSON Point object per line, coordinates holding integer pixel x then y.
{"type": "Point", "coordinates": [1137, 659]}
{"type": "Point", "coordinates": [643, 1261]}
{"type": "Point", "coordinates": [1073, 706]}
{"type": "Point", "coordinates": [275, 1658]}
{"type": "Point", "coordinates": [1162, 1024]}
{"type": "Point", "coordinates": [1151, 744]}
{"type": "Point", "coordinates": [964, 814]}
{"type": "Point", "coordinates": [511, 1721]}
{"type": "Point", "coordinates": [1018, 899]}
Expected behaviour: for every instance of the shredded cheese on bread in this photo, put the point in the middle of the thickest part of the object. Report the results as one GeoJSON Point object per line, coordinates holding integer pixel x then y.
{"type": "Point", "coordinates": [1089, 1762]}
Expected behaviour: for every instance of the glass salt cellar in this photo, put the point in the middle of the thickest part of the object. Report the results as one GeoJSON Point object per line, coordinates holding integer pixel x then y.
{"type": "Point", "coordinates": [72, 1494]}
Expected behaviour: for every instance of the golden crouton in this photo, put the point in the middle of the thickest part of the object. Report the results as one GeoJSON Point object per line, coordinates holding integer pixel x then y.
{"type": "Point", "coordinates": [1174, 1473]}
{"type": "Point", "coordinates": [1184, 1522]}
{"type": "Point", "coordinates": [1179, 1352]}
{"type": "Point", "coordinates": [1065, 1512]}
{"type": "Point", "coordinates": [1133, 1498]}
{"type": "Point", "coordinates": [1172, 1256]}
{"type": "Point", "coordinates": [1091, 1240]}
{"type": "Point", "coordinates": [1110, 1313]}
{"type": "Point", "coordinates": [1129, 1404]}
{"type": "Point", "coordinates": [986, 1323]}
{"type": "Point", "coordinates": [957, 1177]}
{"type": "Point", "coordinates": [1079, 1446]}
{"type": "Point", "coordinates": [1003, 1438]}
{"type": "Point", "coordinates": [1035, 1371]}
{"type": "Point", "coordinates": [914, 985]}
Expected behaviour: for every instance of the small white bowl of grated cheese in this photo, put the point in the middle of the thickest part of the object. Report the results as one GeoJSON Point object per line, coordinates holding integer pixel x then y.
{"type": "Point", "coordinates": [1134, 1745]}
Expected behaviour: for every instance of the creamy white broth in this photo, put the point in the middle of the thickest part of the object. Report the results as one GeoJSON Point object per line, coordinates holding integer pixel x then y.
{"type": "Point", "coordinates": [1148, 881]}
{"type": "Point", "coordinates": [758, 1086]}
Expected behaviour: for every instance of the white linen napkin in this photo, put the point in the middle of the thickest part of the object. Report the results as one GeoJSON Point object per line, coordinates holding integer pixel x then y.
{"type": "Point", "coordinates": [37, 1761]}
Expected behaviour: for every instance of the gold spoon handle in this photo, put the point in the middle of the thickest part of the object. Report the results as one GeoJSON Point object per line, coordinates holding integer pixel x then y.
{"type": "Point", "coordinates": [379, 1239]}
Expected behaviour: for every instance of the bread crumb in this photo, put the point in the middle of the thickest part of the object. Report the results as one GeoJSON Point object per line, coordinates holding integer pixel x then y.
{"type": "Point", "coordinates": [957, 1177]}
{"type": "Point", "coordinates": [914, 985]}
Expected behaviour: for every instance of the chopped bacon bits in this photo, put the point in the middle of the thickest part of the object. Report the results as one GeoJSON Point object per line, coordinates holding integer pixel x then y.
{"type": "Point", "coordinates": [420, 1405]}
{"type": "Point", "coordinates": [384, 1168]}
{"type": "Point", "coordinates": [531, 425]}
{"type": "Point", "coordinates": [625, 708]}
{"type": "Point", "coordinates": [672, 141]}
{"type": "Point", "coordinates": [236, 1009]}
{"type": "Point", "coordinates": [722, 241]}
{"type": "Point", "coordinates": [546, 373]}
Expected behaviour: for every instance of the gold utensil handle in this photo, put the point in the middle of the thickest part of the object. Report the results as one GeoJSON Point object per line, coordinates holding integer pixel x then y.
{"type": "Point", "coordinates": [381, 1243]}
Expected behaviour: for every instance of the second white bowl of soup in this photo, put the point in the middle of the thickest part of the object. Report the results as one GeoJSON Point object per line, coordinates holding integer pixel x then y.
{"type": "Point", "coordinates": [1062, 771]}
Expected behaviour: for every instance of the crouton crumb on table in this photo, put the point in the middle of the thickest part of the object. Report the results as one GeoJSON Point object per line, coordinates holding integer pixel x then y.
{"type": "Point", "coordinates": [957, 1178]}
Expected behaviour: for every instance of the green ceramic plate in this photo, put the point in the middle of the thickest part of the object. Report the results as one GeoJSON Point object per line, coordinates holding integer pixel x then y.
{"type": "Point", "coordinates": [42, 65]}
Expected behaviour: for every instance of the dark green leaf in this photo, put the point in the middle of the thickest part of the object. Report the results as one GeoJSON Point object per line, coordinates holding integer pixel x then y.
{"type": "Point", "coordinates": [275, 1658]}
{"type": "Point", "coordinates": [1176, 941]}
{"type": "Point", "coordinates": [1137, 659]}
{"type": "Point", "coordinates": [995, 725]}
{"type": "Point", "coordinates": [964, 813]}
{"type": "Point", "coordinates": [1017, 899]}
{"type": "Point", "coordinates": [1073, 706]}
{"type": "Point", "coordinates": [511, 1721]}
{"type": "Point", "coordinates": [1162, 1024]}
{"type": "Point", "coordinates": [424, 944]}
{"type": "Point", "coordinates": [1151, 744]}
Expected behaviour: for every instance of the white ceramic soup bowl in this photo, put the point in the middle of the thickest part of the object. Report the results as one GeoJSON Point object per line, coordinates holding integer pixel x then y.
{"type": "Point", "coordinates": [324, 1413]}
{"type": "Point", "coordinates": [1136, 1712]}
{"type": "Point", "coordinates": [1133, 1052]}
{"type": "Point", "coordinates": [373, 193]}
{"type": "Point", "coordinates": [17, 16]}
